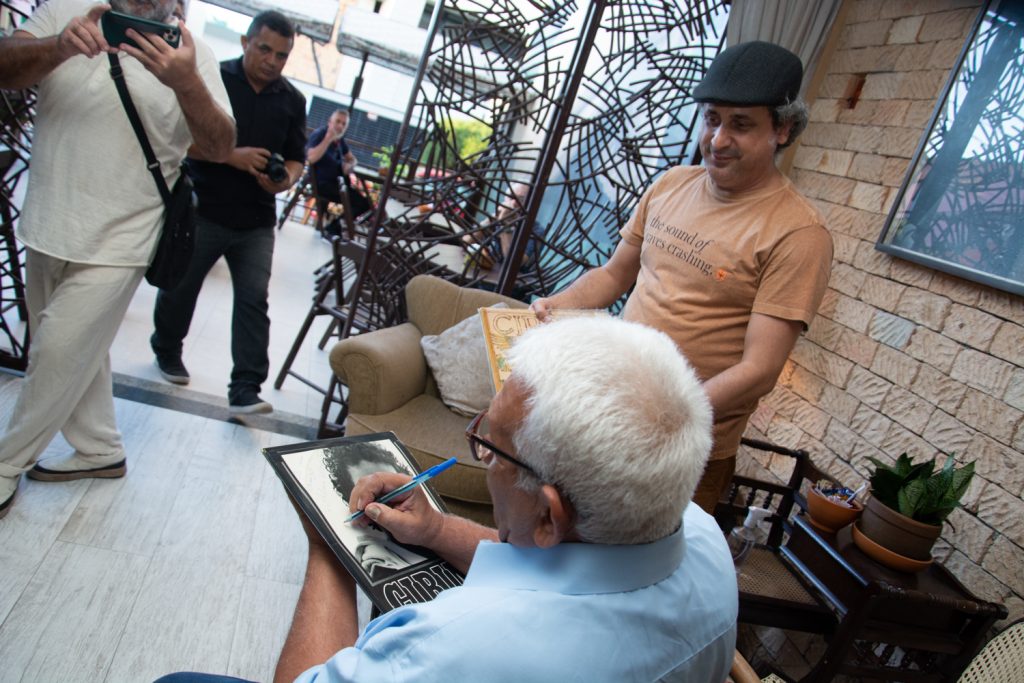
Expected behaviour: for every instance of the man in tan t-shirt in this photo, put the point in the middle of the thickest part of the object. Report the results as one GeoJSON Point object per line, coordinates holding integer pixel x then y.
{"type": "Point", "coordinates": [726, 258]}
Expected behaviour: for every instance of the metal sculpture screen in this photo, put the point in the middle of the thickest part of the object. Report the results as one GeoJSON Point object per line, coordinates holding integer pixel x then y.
{"type": "Point", "coordinates": [961, 207]}
{"type": "Point", "coordinates": [534, 129]}
{"type": "Point", "coordinates": [16, 111]}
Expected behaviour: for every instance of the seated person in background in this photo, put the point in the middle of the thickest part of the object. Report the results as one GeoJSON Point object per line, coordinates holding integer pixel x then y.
{"type": "Point", "coordinates": [331, 162]}
{"type": "Point", "coordinates": [598, 570]}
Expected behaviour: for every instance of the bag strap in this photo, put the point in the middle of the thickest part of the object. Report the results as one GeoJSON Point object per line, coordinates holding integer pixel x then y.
{"type": "Point", "coordinates": [117, 73]}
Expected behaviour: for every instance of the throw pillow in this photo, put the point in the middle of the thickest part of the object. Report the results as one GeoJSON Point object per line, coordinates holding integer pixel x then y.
{"type": "Point", "coordinates": [458, 359]}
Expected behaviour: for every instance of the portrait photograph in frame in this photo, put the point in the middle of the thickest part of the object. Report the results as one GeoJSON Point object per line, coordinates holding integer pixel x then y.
{"type": "Point", "coordinates": [960, 208]}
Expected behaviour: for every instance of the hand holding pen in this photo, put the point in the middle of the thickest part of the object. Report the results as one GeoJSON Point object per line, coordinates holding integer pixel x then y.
{"type": "Point", "coordinates": [408, 486]}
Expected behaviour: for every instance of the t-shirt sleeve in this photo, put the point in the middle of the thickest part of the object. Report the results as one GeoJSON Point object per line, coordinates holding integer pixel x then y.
{"type": "Point", "coordinates": [633, 231]}
{"type": "Point", "coordinates": [316, 137]}
{"type": "Point", "coordinates": [48, 19]}
{"type": "Point", "coordinates": [796, 276]}
{"type": "Point", "coordinates": [295, 143]}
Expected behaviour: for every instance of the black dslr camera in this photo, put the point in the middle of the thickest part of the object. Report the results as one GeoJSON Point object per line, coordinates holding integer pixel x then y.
{"type": "Point", "coordinates": [275, 169]}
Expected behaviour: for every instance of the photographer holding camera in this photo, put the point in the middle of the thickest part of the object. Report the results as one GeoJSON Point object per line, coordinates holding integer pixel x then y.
{"type": "Point", "coordinates": [236, 211]}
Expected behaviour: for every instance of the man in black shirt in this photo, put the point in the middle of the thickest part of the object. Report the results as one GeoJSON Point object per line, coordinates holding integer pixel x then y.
{"type": "Point", "coordinates": [236, 211]}
{"type": "Point", "coordinates": [331, 161]}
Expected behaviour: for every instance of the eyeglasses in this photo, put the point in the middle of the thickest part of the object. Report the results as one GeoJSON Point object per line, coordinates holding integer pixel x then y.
{"type": "Point", "coordinates": [482, 449]}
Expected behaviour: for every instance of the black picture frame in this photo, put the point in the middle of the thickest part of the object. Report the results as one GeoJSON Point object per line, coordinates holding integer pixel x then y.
{"type": "Point", "coordinates": [319, 475]}
{"type": "Point", "coordinates": [960, 208]}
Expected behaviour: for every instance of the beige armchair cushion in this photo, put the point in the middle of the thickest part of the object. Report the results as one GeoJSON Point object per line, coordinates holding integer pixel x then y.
{"type": "Point", "coordinates": [391, 388]}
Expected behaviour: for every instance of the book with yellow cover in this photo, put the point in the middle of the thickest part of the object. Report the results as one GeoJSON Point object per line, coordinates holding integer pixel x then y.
{"type": "Point", "coordinates": [503, 325]}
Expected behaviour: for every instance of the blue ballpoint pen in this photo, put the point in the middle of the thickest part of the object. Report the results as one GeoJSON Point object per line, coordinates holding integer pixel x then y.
{"type": "Point", "coordinates": [408, 486]}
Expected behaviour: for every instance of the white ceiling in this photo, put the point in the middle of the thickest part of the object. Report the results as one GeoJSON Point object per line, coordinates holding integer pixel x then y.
{"type": "Point", "coordinates": [315, 18]}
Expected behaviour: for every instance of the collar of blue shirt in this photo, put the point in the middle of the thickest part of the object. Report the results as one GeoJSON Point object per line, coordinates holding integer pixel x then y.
{"type": "Point", "coordinates": [576, 568]}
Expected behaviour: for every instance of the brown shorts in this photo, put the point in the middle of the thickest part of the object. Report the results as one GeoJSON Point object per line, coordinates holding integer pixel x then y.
{"type": "Point", "coordinates": [717, 475]}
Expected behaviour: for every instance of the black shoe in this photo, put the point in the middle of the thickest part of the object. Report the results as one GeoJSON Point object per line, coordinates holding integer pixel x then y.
{"type": "Point", "coordinates": [249, 404]}
{"type": "Point", "coordinates": [113, 471]}
{"type": "Point", "coordinates": [172, 369]}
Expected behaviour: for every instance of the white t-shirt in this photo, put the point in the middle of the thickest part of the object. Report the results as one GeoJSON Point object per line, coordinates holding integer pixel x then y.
{"type": "Point", "coordinates": [90, 197]}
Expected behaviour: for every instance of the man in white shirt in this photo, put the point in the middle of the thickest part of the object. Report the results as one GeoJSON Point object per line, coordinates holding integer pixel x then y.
{"type": "Point", "coordinates": [92, 214]}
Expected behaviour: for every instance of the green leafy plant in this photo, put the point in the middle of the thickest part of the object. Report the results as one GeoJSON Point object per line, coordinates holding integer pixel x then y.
{"type": "Point", "coordinates": [383, 155]}
{"type": "Point", "coordinates": [454, 142]}
{"type": "Point", "coordinates": [917, 490]}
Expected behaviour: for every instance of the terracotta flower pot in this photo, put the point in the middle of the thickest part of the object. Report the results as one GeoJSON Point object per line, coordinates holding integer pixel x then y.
{"type": "Point", "coordinates": [829, 515]}
{"type": "Point", "coordinates": [896, 532]}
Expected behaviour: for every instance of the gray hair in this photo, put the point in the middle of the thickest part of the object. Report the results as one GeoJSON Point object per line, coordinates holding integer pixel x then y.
{"type": "Point", "coordinates": [793, 114]}
{"type": "Point", "coordinates": [617, 420]}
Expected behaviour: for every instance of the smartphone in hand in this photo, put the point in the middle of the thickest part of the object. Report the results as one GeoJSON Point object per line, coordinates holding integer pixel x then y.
{"type": "Point", "coordinates": [115, 24]}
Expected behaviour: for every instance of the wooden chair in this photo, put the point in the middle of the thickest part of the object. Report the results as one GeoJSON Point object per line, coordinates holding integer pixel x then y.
{"type": "Point", "coordinates": [305, 193]}
{"type": "Point", "coordinates": [742, 672]}
{"type": "Point", "coordinates": [771, 593]}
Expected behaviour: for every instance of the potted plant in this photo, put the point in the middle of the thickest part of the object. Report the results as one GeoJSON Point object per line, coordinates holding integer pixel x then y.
{"type": "Point", "coordinates": [831, 506]}
{"type": "Point", "coordinates": [383, 157]}
{"type": "Point", "coordinates": [910, 501]}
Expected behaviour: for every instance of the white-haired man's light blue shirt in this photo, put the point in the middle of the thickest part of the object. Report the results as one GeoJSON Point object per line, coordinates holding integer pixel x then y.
{"type": "Point", "coordinates": [576, 612]}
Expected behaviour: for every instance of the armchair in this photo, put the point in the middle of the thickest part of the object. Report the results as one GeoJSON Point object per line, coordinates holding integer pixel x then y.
{"type": "Point", "coordinates": [391, 388]}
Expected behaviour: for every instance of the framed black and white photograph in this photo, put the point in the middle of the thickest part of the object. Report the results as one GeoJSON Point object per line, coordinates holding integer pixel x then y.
{"type": "Point", "coordinates": [320, 475]}
{"type": "Point", "coordinates": [961, 206]}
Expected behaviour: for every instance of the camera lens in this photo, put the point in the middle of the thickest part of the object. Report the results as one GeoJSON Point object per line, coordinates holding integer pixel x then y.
{"type": "Point", "coordinates": [275, 169]}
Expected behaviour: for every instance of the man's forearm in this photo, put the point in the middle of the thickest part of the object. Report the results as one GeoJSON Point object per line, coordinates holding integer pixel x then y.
{"type": "Point", "coordinates": [213, 133]}
{"type": "Point", "coordinates": [24, 61]}
{"type": "Point", "coordinates": [596, 288]}
{"type": "Point", "coordinates": [737, 386]}
{"type": "Point", "coordinates": [317, 151]}
{"type": "Point", "coordinates": [766, 347]}
{"type": "Point", "coordinates": [325, 619]}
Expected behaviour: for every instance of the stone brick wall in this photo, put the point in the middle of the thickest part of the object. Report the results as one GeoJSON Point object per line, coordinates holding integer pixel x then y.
{"type": "Point", "coordinates": [902, 357]}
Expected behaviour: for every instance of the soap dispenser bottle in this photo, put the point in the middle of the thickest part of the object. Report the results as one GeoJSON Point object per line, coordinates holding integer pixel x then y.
{"type": "Point", "coordinates": [743, 538]}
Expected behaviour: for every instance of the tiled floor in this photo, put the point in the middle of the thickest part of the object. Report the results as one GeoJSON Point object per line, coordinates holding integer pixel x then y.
{"type": "Point", "coordinates": [194, 560]}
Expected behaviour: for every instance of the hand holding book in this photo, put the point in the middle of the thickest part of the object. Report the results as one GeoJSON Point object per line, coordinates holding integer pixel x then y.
{"type": "Point", "coordinates": [503, 325]}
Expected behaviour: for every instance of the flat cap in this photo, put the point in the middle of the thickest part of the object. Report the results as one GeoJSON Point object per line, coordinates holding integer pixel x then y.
{"type": "Point", "coordinates": [750, 74]}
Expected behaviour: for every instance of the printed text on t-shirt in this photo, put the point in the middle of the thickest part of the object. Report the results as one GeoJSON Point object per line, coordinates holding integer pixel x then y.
{"type": "Point", "coordinates": [688, 247]}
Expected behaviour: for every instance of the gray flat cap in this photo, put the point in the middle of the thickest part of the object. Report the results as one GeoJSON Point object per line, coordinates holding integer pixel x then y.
{"type": "Point", "coordinates": [750, 74]}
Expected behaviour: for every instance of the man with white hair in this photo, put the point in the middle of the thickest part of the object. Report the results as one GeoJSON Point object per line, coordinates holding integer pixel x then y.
{"type": "Point", "coordinates": [598, 569]}
{"type": "Point", "coordinates": [92, 214]}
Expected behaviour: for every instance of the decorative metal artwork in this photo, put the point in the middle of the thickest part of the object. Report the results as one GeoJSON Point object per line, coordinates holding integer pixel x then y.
{"type": "Point", "coordinates": [583, 103]}
{"type": "Point", "coordinates": [961, 206]}
{"type": "Point", "coordinates": [16, 112]}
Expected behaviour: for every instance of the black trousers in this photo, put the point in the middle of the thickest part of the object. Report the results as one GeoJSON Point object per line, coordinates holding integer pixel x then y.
{"type": "Point", "coordinates": [249, 254]}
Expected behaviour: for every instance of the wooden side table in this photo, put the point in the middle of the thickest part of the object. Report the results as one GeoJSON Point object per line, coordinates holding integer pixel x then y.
{"type": "Point", "coordinates": [891, 625]}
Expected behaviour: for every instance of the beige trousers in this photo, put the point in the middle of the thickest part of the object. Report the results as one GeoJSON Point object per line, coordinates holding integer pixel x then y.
{"type": "Point", "coordinates": [74, 312]}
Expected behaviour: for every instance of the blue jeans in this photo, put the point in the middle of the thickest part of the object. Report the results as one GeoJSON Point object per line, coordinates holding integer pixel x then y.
{"type": "Point", "coordinates": [191, 677]}
{"type": "Point", "coordinates": [249, 254]}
